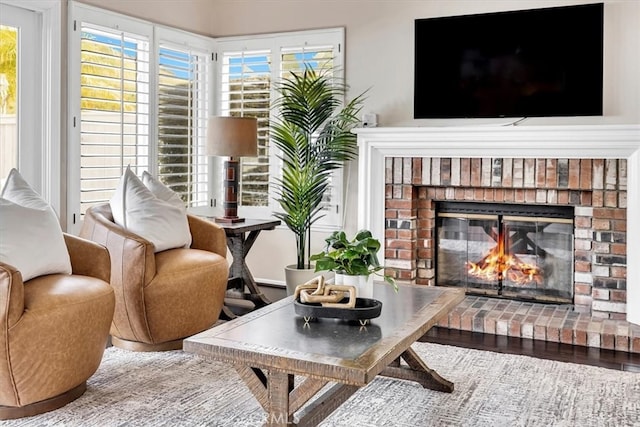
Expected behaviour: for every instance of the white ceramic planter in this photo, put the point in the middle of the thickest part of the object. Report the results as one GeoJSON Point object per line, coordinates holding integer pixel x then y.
{"type": "Point", "coordinates": [294, 276]}
{"type": "Point", "coordinates": [363, 284]}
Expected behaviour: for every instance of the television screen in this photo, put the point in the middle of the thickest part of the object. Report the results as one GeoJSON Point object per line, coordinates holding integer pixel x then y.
{"type": "Point", "coordinates": [528, 63]}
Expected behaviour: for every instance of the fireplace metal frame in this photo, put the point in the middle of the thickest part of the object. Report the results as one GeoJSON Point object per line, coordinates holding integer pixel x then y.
{"type": "Point", "coordinates": [501, 213]}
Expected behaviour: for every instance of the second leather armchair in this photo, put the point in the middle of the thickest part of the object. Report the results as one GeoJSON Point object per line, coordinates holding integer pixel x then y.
{"type": "Point", "coordinates": [164, 297]}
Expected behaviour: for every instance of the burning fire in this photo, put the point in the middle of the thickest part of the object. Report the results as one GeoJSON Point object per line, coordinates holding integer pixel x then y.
{"type": "Point", "coordinates": [497, 265]}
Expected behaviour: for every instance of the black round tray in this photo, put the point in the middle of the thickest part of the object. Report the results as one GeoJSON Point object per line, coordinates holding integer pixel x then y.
{"type": "Point", "coordinates": [365, 309]}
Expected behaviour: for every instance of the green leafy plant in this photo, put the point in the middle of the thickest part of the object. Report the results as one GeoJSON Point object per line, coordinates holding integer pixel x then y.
{"type": "Point", "coordinates": [355, 257]}
{"type": "Point", "coordinates": [313, 131]}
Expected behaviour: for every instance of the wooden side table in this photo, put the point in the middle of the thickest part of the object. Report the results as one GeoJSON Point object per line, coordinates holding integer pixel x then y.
{"type": "Point", "coordinates": [241, 282]}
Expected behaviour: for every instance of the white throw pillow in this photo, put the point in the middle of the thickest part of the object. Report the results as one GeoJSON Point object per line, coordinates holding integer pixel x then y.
{"type": "Point", "coordinates": [136, 209]}
{"type": "Point", "coordinates": [161, 191]}
{"type": "Point", "coordinates": [31, 237]}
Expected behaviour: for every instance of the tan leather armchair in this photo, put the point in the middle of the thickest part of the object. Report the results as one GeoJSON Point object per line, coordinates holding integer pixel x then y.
{"type": "Point", "coordinates": [164, 297]}
{"type": "Point", "coordinates": [53, 331]}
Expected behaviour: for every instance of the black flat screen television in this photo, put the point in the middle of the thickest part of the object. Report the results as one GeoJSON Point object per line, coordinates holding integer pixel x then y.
{"type": "Point", "coordinates": [527, 63]}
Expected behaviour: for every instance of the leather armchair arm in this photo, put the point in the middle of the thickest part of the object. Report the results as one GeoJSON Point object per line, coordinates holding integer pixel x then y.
{"type": "Point", "coordinates": [11, 298]}
{"type": "Point", "coordinates": [207, 235]}
{"type": "Point", "coordinates": [133, 267]}
{"type": "Point", "coordinates": [132, 257]}
{"type": "Point", "coordinates": [88, 258]}
{"type": "Point", "coordinates": [11, 310]}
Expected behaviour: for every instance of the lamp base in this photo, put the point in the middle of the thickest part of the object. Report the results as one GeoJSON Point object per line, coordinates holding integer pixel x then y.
{"type": "Point", "coordinates": [229, 220]}
{"type": "Point", "coordinates": [230, 204]}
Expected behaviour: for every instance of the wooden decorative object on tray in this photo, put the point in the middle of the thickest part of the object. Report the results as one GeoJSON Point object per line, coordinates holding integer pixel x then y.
{"type": "Point", "coordinates": [316, 291]}
{"type": "Point", "coordinates": [316, 299]}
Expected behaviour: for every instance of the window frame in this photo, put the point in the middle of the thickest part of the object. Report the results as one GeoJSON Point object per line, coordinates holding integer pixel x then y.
{"type": "Point", "coordinates": [159, 34]}
{"type": "Point", "coordinates": [276, 43]}
{"type": "Point", "coordinates": [166, 36]}
{"type": "Point", "coordinates": [156, 35]}
{"type": "Point", "coordinates": [43, 156]}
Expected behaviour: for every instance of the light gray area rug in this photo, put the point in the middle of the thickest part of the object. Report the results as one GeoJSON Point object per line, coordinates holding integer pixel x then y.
{"type": "Point", "coordinates": [491, 389]}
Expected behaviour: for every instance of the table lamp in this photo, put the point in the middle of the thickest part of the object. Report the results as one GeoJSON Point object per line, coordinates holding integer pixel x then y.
{"type": "Point", "coordinates": [232, 137]}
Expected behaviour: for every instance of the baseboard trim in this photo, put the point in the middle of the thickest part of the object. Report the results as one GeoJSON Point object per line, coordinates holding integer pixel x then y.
{"type": "Point", "coordinates": [277, 284]}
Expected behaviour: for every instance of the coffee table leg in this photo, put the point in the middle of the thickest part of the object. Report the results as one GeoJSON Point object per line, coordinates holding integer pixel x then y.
{"type": "Point", "coordinates": [277, 395]}
{"type": "Point", "coordinates": [417, 371]}
{"type": "Point", "coordinates": [279, 384]}
{"type": "Point", "coordinates": [325, 404]}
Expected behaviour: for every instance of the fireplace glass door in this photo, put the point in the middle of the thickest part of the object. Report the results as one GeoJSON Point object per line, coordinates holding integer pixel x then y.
{"type": "Point", "coordinates": [508, 251]}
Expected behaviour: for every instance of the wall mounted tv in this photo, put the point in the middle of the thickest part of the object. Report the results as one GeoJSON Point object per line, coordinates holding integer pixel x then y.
{"type": "Point", "coordinates": [527, 63]}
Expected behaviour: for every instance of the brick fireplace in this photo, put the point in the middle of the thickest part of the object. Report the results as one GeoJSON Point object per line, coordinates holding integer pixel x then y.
{"type": "Point", "coordinates": [405, 172]}
{"type": "Point", "coordinates": [595, 187]}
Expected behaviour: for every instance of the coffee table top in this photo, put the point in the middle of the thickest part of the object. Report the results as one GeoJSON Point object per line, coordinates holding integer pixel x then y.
{"type": "Point", "coordinates": [274, 337]}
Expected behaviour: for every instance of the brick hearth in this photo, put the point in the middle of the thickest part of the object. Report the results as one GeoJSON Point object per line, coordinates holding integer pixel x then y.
{"type": "Point", "coordinates": [542, 322]}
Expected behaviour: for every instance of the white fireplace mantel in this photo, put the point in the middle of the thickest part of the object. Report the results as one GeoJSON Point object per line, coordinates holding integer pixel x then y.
{"type": "Point", "coordinates": [590, 141]}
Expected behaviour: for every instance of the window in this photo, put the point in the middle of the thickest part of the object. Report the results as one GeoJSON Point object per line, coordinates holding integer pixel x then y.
{"type": "Point", "coordinates": [9, 100]}
{"type": "Point", "coordinates": [246, 92]}
{"type": "Point", "coordinates": [183, 109]}
{"type": "Point", "coordinates": [38, 24]}
{"type": "Point", "coordinates": [248, 68]}
{"type": "Point", "coordinates": [20, 98]}
{"type": "Point", "coordinates": [114, 109]}
{"type": "Point", "coordinates": [140, 98]}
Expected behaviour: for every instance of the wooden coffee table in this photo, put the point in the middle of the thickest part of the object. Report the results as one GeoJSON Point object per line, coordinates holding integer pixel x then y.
{"type": "Point", "coordinates": [267, 347]}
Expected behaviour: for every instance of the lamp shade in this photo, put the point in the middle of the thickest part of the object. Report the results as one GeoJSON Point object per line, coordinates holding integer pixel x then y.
{"type": "Point", "coordinates": [232, 136]}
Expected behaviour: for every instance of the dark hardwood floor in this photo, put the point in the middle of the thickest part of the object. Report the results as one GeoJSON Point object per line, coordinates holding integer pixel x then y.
{"type": "Point", "coordinates": [503, 344]}
{"type": "Point", "coordinates": [535, 348]}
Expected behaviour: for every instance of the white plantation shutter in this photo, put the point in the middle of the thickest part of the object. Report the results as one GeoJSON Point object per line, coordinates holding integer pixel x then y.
{"type": "Point", "coordinates": [114, 110]}
{"type": "Point", "coordinates": [247, 69]}
{"type": "Point", "coordinates": [246, 92]}
{"type": "Point", "coordinates": [294, 59]}
{"type": "Point", "coordinates": [139, 95]}
{"type": "Point", "coordinates": [183, 106]}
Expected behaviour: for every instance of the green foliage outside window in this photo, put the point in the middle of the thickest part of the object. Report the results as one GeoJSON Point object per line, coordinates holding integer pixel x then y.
{"type": "Point", "coordinates": [8, 67]}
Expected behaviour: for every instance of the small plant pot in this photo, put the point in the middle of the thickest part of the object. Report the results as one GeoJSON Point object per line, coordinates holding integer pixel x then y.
{"type": "Point", "coordinates": [363, 284]}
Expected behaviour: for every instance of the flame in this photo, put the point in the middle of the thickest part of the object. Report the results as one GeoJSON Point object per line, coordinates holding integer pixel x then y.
{"type": "Point", "coordinates": [497, 265]}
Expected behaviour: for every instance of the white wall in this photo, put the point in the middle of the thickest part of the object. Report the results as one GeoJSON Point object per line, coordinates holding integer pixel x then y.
{"type": "Point", "coordinates": [380, 45]}
{"type": "Point", "coordinates": [379, 49]}
{"type": "Point", "coordinates": [190, 15]}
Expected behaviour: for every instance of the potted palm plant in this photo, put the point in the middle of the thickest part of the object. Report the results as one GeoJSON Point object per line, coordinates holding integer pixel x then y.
{"type": "Point", "coordinates": [312, 129]}
{"type": "Point", "coordinates": [354, 261]}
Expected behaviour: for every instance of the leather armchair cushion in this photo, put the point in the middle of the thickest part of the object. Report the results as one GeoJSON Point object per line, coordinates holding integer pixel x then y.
{"type": "Point", "coordinates": [182, 299]}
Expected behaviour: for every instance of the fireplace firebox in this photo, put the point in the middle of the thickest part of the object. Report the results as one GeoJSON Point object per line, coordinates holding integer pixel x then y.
{"type": "Point", "coordinates": [506, 250]}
